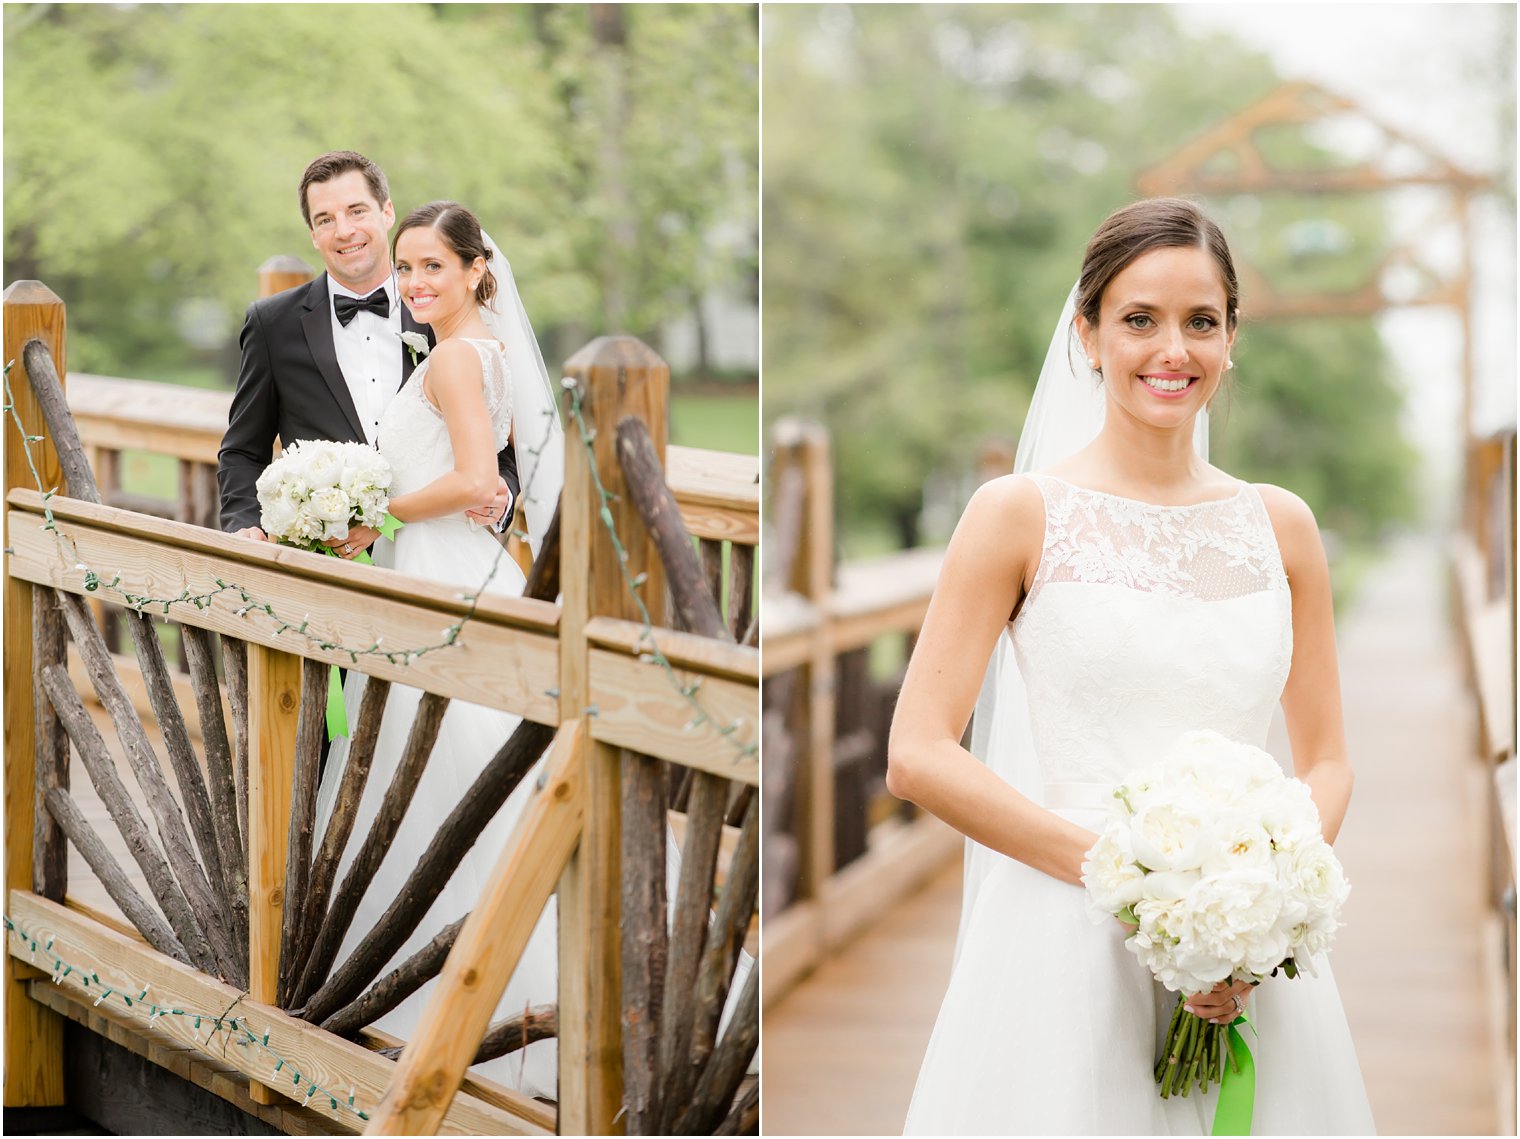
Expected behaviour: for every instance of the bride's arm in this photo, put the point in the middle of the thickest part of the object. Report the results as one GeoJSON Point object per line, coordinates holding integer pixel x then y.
{"type": "Point", "coordinates": [995, 545]}
{"type": "Point", "coordinates": [1311, 699]}
{"type": "Point", "coordinates": [453, 383]}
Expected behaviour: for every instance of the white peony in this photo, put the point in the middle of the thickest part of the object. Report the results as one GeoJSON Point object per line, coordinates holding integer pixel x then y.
{"type": "Point", "coordinates": [1237, 842]}
{"type": "Point", "coordinates": [1167, 836]}
{"type": "Point", "coordinates": [1218, 855]}
{"type": "Point", "coordinates": [1113, 880]}
{"type": "Point", "coordinates": [279, 514]}
{"type": "Point", "coordinates": [1233, 917]}
{"type": "Point", "coordinates": [316, 490]}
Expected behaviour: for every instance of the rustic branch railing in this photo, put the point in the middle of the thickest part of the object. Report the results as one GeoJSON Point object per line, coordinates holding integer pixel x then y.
{"type": "Point", "coordinates": [837, 848]}
{"type": "Point", "coordinates": [607, 690]}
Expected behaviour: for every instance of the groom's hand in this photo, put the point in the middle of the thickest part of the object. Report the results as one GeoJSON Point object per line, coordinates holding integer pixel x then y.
{"type": "Point", "coordinates": [251, 532]}
{"type": "Point", "coordinates": [494, 511]}
{"type": "Point", "coordinates": [360, 538]}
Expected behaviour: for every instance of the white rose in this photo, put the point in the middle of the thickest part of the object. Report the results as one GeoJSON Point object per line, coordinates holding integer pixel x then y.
{"type": "Point", "coordinates": [1311, 874]}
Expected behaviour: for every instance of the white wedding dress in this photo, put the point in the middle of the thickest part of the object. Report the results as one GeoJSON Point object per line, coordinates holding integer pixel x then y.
{"type": "Point", "coordinates": [1143, 622]}
{"type": "Point", "coordinates": [415, 441]}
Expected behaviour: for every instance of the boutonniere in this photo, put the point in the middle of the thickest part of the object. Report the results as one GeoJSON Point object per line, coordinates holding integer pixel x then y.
{"type": "Point", "coordinates": [416, 344]}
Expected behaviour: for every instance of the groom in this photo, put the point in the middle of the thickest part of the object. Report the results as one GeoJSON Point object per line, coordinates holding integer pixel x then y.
{"type": "Point", "coordinates": [322, 360]}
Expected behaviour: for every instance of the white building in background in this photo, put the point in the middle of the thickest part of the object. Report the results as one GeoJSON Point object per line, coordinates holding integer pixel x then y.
{"type": "Point", "coordinates": [733, 334]}
{"type": "Point", "coordinates": [730, 311]}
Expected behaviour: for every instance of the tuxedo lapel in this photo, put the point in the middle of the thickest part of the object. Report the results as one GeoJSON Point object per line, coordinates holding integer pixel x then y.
{"type": "Point", "coordinates": [317, 323]}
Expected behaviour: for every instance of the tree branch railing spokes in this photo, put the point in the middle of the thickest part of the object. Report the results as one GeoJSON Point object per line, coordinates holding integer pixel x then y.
{"type": "Point", "coordinates": [247, 908]}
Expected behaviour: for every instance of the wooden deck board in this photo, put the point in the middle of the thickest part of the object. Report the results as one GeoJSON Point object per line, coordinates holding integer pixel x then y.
{"type": "Point", "coordinates": [1414, 963]}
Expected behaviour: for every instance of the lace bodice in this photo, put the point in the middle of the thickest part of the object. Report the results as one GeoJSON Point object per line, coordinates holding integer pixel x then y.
{"type": "Point", "coordinates": [413, 436]}
{"type": "Point", "coordinates": [1146, 621]}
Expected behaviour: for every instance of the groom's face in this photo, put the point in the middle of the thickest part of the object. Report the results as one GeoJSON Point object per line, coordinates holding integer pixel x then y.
{"type": "Point", "coordinates": [349, 229]}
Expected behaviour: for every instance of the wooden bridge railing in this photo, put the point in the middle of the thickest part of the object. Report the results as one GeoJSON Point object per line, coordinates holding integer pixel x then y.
{"type": "Point", "coordinates": [619, 700]}
{"type": "Point", "coordinates": [1482, 562]}
{"type": "Point", "coordinates": [838, 848]}
{"type": "Point", "coordinates": [718, 491]}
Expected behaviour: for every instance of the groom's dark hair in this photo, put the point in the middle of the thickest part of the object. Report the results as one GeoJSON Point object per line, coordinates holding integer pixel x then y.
{"type": "Point", "coordinates": [336, 162]}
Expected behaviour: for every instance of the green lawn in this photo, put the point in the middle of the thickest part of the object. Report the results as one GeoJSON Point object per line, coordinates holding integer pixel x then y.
{"type": "Point", "coordinates": [718, 422]}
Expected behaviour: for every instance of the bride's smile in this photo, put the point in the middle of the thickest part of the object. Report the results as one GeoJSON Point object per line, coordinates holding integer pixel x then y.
{"type": "Point", "coordinates": [435, 284]}
{"type": "Point", "coordinates": [1161, 339]}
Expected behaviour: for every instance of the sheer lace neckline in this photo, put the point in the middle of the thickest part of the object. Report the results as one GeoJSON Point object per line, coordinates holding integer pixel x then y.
{"type": "Point", "coordinates": [1240, 489]}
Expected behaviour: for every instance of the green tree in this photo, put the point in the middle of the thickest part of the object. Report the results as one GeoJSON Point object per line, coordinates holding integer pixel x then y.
{"type": "Point", "coordinates": [932, 174]}
{"type": "Point", "coordinates": [152, 151]}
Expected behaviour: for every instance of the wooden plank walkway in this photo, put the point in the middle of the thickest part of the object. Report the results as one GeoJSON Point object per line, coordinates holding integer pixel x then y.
{"type": "Point", "coordinates": [1415, 964]}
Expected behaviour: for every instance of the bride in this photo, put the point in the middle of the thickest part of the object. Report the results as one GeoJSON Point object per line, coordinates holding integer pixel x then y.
{"type": "Point", "coordinates": [1125, 592]}
{"type": "Point", "coordinates": [482, 384]}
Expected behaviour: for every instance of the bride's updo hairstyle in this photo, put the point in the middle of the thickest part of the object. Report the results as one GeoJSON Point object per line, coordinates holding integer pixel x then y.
{"type": "Point", "coordinates": [460, 230]}
{"type": "Point", "coordinates": [1152, 223]}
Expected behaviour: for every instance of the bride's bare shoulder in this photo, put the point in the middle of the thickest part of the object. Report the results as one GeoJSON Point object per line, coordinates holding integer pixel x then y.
{"type": "Point", "coordinates": [1004, 508]}
{"type": "Point", "coordinates": [1293, 523]}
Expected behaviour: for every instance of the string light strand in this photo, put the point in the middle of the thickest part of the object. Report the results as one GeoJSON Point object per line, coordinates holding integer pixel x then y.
{"type": "Point", "coordinates": [240, 1031]}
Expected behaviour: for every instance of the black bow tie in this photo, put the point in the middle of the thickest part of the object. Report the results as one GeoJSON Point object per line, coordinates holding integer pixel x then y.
{"type": "Point", "coordinates": [377, 302]}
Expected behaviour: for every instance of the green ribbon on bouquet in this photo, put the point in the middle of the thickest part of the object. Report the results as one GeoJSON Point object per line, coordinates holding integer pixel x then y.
{"type": "Point", "coordinates": [337, 715]}
{"type": "Point", "coordinates": [1237, 1086]}
{"type": "Point", "coordinates": [389, 525]}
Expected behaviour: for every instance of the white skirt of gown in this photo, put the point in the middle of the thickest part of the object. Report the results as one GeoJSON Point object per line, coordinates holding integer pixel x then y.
{"type": "Point", "coordinates": [1050, 1026]}
{"type": "Point", "coordinates": [446, 550]}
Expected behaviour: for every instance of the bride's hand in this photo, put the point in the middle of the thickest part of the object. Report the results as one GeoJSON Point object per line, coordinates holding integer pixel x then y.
{"type": "Point", "coordinates": [492, 512]}
{"type": "Point", "coordinates": [360, 538]}
{"type": "Point", "coordinates": [1220, 1005]}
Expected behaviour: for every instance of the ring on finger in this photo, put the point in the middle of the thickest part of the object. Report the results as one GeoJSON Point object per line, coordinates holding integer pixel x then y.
{"type": "Point", "coordinates": [1240, 1005]}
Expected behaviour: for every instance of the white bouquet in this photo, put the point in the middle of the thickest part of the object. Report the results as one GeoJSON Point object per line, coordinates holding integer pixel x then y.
{"type": "Point", "coordinates": [1217, 858]}
{"type": "Point", "coordinates": [317, 489]}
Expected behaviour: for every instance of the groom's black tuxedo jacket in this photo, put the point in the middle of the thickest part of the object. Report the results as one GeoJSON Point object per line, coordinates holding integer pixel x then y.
{"type": "Point", "coordinates": [289, 385]}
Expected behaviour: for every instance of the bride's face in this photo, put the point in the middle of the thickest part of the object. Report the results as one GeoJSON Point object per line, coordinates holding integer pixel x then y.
{"type": "Point", "coordinates": [435, 283]}
{"type": "Point", "coordinates": [1161, 337]}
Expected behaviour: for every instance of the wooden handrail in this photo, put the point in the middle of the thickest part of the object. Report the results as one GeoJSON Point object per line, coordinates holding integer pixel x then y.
{"type": "Point", "coordinates": [815, 612]}
{"type": "Point", "coordinates": [520, 612]}
{"type": "Point", "coordinates": [718, 491]}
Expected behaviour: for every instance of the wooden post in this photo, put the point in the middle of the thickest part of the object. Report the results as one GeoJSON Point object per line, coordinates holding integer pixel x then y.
{"type": "Point", "coordinates": [614, 376]}
{"type": "Point", "coordinates": [33, 1033]}
{"type": "Point", "coordinates": [805, 446]}
{"type": "Point", "coordinates": [274, 705]}
{"type": "Point", "coordinates": [282, 272]}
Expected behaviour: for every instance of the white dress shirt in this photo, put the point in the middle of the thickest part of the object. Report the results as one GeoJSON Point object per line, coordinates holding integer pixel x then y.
{"type": "Point", "coordinates": [369, 354]}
